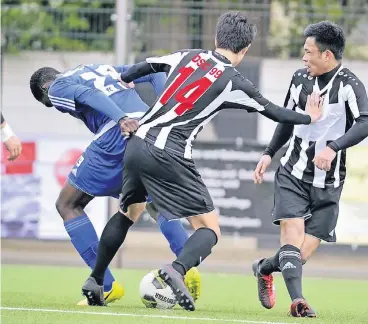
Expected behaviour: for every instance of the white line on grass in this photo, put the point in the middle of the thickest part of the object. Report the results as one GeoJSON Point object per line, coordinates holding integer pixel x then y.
{"type": "Point", "coordinates": [138, 315]}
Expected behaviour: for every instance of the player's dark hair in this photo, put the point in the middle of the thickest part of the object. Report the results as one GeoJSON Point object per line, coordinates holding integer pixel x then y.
{"type": "Point", "coordinates": [234, 32]}
{"type": "Point", "coordinates": [41, 77]}
{"type": "Point", "coordinates": [328, 36]}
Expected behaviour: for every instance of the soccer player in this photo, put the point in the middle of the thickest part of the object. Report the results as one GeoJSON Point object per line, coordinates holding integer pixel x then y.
{"type": "Point", "coordinates": [11, 141]}
{"type": "Point", "coordinates": [158, 157]}
{"type": "Point", "coordinates": [96, 95]}
{"type": "Point", "coordinates": [310, 179]}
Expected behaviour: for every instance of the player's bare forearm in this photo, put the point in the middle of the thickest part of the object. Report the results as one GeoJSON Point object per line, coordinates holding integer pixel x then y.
{"type": "Point", "coordinates": [357, 133]}
{"type": "Point", "coordinates": [281, 135]}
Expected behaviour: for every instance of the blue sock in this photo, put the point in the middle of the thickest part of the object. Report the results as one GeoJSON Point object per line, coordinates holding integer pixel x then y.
{"type": "Point", "coordinates": [174, 232]}
{"type": "Point", "coordinates": [85, 241]}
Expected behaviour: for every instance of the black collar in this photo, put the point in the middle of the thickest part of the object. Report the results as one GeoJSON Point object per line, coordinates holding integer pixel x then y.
{"type": "Point", "coordinates": [221, 57]}
{"type": "Point", "coordinates": [326, 77]}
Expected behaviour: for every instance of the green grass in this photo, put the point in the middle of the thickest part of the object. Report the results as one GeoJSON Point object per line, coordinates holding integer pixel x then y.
{"type": "Point", "coordinates": [224, 297]}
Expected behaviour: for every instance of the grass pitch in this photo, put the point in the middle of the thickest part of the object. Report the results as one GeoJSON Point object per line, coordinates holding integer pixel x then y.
{"type": "Point", "coordinates": [44, 295]}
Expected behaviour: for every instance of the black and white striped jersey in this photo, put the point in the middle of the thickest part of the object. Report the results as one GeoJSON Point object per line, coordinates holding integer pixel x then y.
{"type": "Point", "coordinates": [200, 83]}
{"type": "Point", "coordinates": [345, 99]}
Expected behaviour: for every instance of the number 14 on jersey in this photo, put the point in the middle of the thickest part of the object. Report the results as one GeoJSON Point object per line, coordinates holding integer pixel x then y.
{"type": "Point", "coordinates": [187, 96]}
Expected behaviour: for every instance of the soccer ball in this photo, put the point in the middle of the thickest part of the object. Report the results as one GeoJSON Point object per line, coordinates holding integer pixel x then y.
{"type": "Point", "coordinates": [155, 293]}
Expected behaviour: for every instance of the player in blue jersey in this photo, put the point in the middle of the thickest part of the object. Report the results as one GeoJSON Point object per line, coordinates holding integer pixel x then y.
{"type": "Point", "coordinates": [96, 95]}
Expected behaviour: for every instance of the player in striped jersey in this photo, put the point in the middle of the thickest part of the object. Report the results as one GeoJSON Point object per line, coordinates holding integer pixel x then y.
{"type": "Point", "coordinates": [95, 94]}
{"type": "Point", "coordinates": [158, 158]}
{"type": "Point", "coordinates": [310, 179]}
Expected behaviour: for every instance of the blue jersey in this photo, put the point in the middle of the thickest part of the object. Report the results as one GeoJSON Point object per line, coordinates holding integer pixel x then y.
{"type": "Point", "coordinates": [94, 94]}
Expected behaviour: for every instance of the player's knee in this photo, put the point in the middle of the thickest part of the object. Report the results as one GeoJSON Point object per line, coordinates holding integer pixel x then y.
{"type": "Point", "coordinates": [134, 211]}
{"type": "Point", "coordinates": [65, 207]}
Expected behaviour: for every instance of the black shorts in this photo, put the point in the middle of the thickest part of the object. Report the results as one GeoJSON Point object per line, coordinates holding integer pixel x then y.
{"type": "Point", "coordinates": [297, 199]}
{"type": "Point", "coordinates": [172, 182]}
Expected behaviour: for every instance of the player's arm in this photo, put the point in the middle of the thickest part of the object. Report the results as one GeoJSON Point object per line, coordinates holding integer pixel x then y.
{"type": "Point", "coordinates": [248, 97]}
{"type": "Point", "coordinates": [65, 97]}
{"type": "Point", "coordinates": [282, 132]}
{"type": "Point", "coordinates": [157, 80]}
{"type": "Point", "coordinates": [11, 141]}
{"type": "Point", "coordinates": [153, 65]}
{"type": "Point", "coordinates": [356, 97]}
{"type": "Point", "coordinates": [142, 69]}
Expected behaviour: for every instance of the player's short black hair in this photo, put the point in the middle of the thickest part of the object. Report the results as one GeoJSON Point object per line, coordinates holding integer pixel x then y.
{"type": "Point", "coordinates": [41, 77]}
{"type": "Point", "coordinates": [328, 36]}
{"type": "Point", "coordinates": [234, 32]}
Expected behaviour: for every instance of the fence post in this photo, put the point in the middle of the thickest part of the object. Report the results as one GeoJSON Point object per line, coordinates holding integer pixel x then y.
{"type": "Point", "coordinates": [121, 32]}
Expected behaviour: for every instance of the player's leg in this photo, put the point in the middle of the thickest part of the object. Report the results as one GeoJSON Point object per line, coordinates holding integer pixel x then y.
{"type": "Point", "coordinates": [70, 205]}
{"type": "Point", "coordinates": [321, 226]}
{"type": "Point", "coordinates": [176, 235]}
{"type": "Point", "coordinates": [290, 210]}
{"type": "Point", "coordinates": [174, 231]}
{"type": "Point", "coordinates": [178, 191]}
{"type": "Point", "coordinates": [97, 173]}
{"type": "Point", "coordinates": [310, 245]}
{"type": "Point", "coordinates": [199, 245]}
{"type": "Point", "coordinates": [197, 248]}
{"type": "Point", "coordinates": [114, 234]}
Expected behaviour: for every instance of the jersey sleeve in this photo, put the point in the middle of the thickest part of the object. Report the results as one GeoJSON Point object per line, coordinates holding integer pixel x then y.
{"type": "Point", "coordinates": [157, 80]}
{"type": "Point", "coordinates": [245, 95]}
{"type": "Point", "coordinates": [65, 95]}
{"type": "Point", "coordinates": [166, 62]}
{"type": "Point", "coordinates": [356, 96]}
{"type": "Point", "coordinates": [61, 95]}
{"type": "Point", "coordinates": [153, 65]}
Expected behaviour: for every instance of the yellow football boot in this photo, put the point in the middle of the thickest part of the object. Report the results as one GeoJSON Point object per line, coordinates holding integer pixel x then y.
{"type": "Point", "coordinates": [116, 293]}
{"type": "Point", "coordinates": [192, 280]}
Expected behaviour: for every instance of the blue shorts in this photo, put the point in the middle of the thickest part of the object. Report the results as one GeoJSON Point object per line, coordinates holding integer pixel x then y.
{"type": "Point", "coordinates": [99, 170]}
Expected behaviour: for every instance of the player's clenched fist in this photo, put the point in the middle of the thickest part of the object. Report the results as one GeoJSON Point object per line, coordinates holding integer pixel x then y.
{"type": "Point", "coordinates": [128, 126]}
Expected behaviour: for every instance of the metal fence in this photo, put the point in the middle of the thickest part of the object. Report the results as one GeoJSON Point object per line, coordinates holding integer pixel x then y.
{"type": "Point", "coordinates": [158, 26]}
{"type": "Point", "coordinates": [57, 25]}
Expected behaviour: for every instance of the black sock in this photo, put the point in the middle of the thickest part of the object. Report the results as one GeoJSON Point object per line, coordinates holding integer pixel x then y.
{"type": "Point", "coordinates": [196, 249]}
{"type": "Point", "coordinates": [291, 268]}
{"type": "Point", "coordinates": [271, 264]}
{"type": "Point", "coordinates": [112, 238]}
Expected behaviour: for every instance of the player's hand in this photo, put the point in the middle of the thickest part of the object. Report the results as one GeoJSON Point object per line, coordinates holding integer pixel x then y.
{"type": "Point", "coordinates": [128, 126]}
{"type": "Point", "coordinates": [314, 106]}
{"type": "Point", "coordinates": [261, 168]}
{"type": "Point", "coordinates": [14, 146]}
{"type": "Point", "coordinates": [129, 85]}
{"type": "Point", "coordinates": [323, 159]}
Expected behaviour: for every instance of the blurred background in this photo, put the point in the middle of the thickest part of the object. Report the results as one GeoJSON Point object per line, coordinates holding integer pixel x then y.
{"type": "Point", "coordinates": [66, 33]}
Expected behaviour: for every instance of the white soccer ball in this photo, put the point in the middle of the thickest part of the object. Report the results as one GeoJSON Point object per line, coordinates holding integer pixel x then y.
{"type": "Point", "coordinates": [155, 293]}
